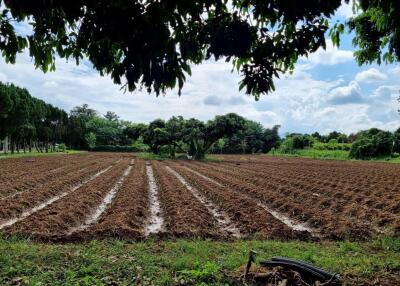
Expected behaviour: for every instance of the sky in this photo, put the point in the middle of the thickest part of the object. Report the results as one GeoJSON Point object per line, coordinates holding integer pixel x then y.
{"type": "Point", "coordinates": [327, 91]}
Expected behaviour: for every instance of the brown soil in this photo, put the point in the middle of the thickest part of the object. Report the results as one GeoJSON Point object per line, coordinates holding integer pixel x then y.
{"type": "Point", "coordinates": [14, 206]}
{"type": "Point", "coordinates": [340, 200]}
{"type": "Point", "coordinates": [184, 216]}
{"type": "Point", "coordinates": [130, 210]}
{"type": "Point", "coordinates": [254, 221]}
{"type": "Point", "coordinates": [71, 211]}
{"type": "Point", "coordinates": [343, 199]}
{"type": "Point", "coordinates": [26, 180]}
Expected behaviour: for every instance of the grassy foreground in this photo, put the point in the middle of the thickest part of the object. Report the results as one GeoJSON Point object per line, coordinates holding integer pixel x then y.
{"type": "Point", "coordinates": [182, 262]}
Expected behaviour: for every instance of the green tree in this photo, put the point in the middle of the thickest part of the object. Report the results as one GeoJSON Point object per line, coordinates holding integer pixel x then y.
{"type": "Point", "coordinates": [174, 128]}
{"type": "Point", "coordinates": [132, 132]}
{"type": "Point", "coordinates": [376, 31]}
{"type": "Point", "coordinates": [91, 140]}
{"type": "Point", "coordinates": [111, 116]}
{"type": "Point", "coordinates": [153, 44]}
{"type": "Point", "coordinates": [155, 136]}
{"type": "Point", "coordinates": [372, 143]}
{"type": "Point", "coordinates": [396, 138]}
{"type": "Point", "coordinates": [200, 137]}
{"type": "Point", "coordinates": [221, 144]}
{"type": "Point", "coordinates": [83, 112]}
{"type": "Point", "coordinates": [107, 132]}
{"type": "Point", "coordinates": [271, 138]}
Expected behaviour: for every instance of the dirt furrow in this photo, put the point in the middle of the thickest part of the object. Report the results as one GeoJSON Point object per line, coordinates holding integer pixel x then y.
{"type": "Point", "coordinates": [184, 215]}
{"type": "Point", "coordinates": [156, 221]}
{"type": "Point", "coordinates": [284, 219]}
{"type": "Point", "coordinates": [225, 222]}
{"type": "Point", "coordinates": [107, 200]}
{"type": "Point", "coordinates": [127, 215]}
{"type": "Point", "coordinates": [254, 218]}
{"type": "Point", "coordinates": [301, 208]}
{"type": "Point", "coordinates": [23, 202]}
{"type": "Point", "coordinates": [22, 169]}
{"type": "Point", "coordinates": [72, 210]}
{"type": "Point", "coordinates": [41, 206]}
{"type": "Point", "coordinates": [46, 177]}
{"type": "Point", "coordinates": [361, 203]}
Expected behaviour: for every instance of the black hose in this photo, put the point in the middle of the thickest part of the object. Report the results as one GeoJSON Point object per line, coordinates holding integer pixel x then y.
{"type": "Point", "coordinates": [326, 274]}
{"type": "Point", "coordinates": [305, 271]}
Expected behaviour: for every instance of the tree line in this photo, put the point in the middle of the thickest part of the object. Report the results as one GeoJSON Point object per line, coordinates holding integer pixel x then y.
{"type": "Point", "coordinates": [27, 123]}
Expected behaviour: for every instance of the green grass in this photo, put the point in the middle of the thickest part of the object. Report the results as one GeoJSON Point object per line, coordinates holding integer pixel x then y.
{"type": "Point", "coordinates": [316, 154]}
{"type": "Point", "coordinates": [182, 262]}
{"type": "Point", "coordinates": [330, 155]}
{"type": "Point", "coordinates": [36, 154]}
{"type": "Point", "coordinates": [151, 156]}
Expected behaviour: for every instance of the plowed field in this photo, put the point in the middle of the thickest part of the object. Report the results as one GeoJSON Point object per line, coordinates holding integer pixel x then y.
{"type": "Point", "coordinates": [98, 195]}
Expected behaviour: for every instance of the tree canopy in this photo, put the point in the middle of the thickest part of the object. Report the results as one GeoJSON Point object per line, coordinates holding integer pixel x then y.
{"type": "Point", "coordinates": [152, 44]}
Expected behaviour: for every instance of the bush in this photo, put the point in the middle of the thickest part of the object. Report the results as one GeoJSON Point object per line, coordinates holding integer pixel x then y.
{"type": "Point", "coordinates": [372, 144]}
{"type": "Point", "coordinates": [287, 146]}
{"type": "Point", "coordinates": [140, 146]}
{"type": "Point", "coordinates": [301, 141]}
{"type": "Point", "coordinates": [115, 148]}
{"type": "Point", "coordinates": [61, 147]}
{"type": "Point", "coordinates": [332, 145]}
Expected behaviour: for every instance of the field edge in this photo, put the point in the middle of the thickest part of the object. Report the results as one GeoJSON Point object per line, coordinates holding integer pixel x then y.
{"type": "Point", "coordinates": [195, 261]}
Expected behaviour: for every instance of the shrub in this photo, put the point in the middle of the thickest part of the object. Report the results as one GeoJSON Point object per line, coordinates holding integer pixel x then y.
{"type": "Point", "coordinates": [61, 147]}
{"type": "Point", "coordinates": [372, 143]}
{"type": "Point", "coordinates": [115, 148]}
{"type": "Point", "coordinates": [332, 145]}
{"type": "Point", "coordinates": [140, 146]}
{"type": "Point", "coordinates": [287, 146]}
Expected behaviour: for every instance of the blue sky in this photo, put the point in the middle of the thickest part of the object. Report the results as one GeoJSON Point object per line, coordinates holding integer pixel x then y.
{"type": "Point", "coordinates": [328, 91]}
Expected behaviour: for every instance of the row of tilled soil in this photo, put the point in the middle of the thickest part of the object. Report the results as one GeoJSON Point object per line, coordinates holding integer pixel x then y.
{"type": "Point", "coordinates": [251, 218]}
{"type": "Point", "coordinates": [122, 196]}
{"type": "Point", "coordinates": [184, 216]}
{"type": "Point", "coordinates": [296, 203]}
{"type": "Point", "coordinates": [16, 205]}
{"type": "Point", "coordinates": [66, 215]}
{"type": "Point", "coordinates": [129, 212]}
{"type": "Point", "coordinates": [189, 207]}
{"type": "Point", "coordinates": [377, 203]}
{"type": "Point", "coordinates": [42, 177]}
{"type": "Point", "coordinates": [15, 167]}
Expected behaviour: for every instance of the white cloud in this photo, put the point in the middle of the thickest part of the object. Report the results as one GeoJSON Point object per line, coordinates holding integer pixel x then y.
{"type": "Point", "coordinates": [50, 84]}
{"type": "Point", "coordinates": [394, 71]}
{"type": "Point", "coordinates": [386, 92]}
{"type": "Point", "coordinates": [345, 94]}
{"type": "Point", "coordinates": [331, 55]}
{"type": "Point", "coordinates": [3, 77]}
{"type": "Point", "coordinates": [345, 10]}
{"type": "Point", "coordinates": [301, 102]}
{"type": "Point", "coordinates": [370, 75]}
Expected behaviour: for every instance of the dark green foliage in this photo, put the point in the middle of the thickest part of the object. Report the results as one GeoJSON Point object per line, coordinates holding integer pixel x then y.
{"type": "Point", "coordinates": [396, 137]}
{"type": "Point", "coordinates": [333, 144]}
{"type": "Point", "coordinates": [253, 138]}
{"type": "Point", "coordinates": [28, 122]}
{"type": "Point", "coordinates": [153, 44]}
{"type": "Point", "coordinates": [190, 136]}
{"type": "Point", "coordinates": [376, 31]}
{"type": "Point", "coordinates": [372, 143]}
{"type": "Point", "coordinates": [116, 148]}
{"type": "Point", "coordinates": [301, 141]}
